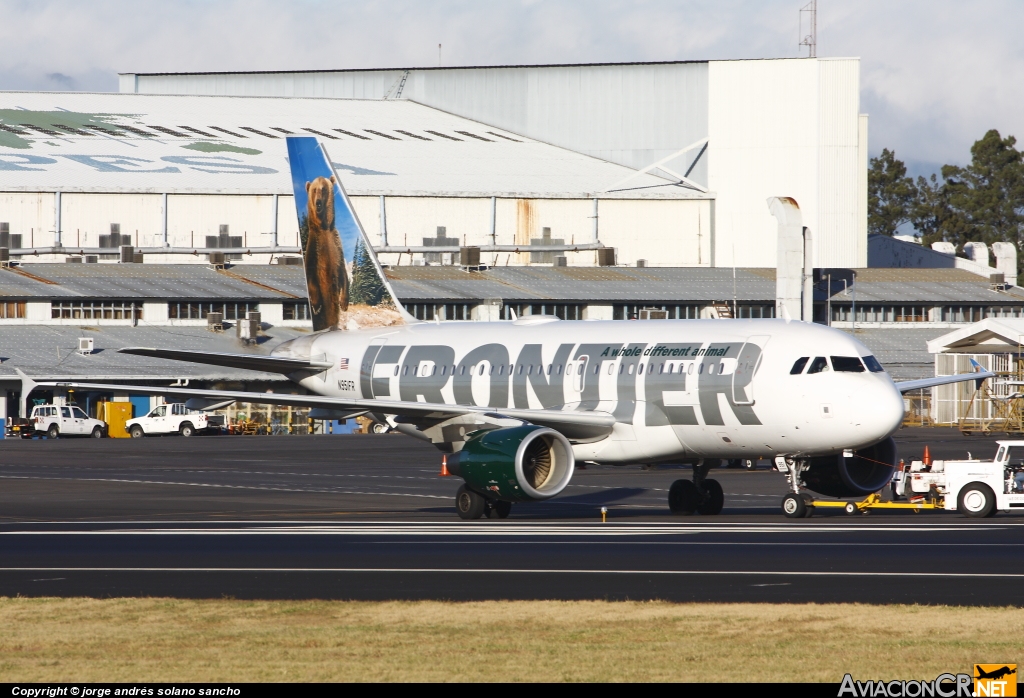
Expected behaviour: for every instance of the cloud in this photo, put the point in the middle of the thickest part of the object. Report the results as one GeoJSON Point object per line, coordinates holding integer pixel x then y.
{"type": "Point", "coordinates": [934, 75]}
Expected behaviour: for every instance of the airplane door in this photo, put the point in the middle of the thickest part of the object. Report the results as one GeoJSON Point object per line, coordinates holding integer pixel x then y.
{"type": "Point", "coordinates": [746, 366]}
{"type": "Point", "coordinates": [579, 376]}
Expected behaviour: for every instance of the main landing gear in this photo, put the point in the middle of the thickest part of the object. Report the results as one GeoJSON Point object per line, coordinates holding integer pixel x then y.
{"type": "Point", "coordinates": [699, 495]}
{"type": "Point", "coordinates": [473, 505]}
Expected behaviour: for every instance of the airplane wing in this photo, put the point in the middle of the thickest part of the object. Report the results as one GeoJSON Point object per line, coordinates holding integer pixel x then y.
{"type": "Point", "coordinates": [582, 425]}
{"type": "Point", "coordinates": [979, 375]}
{"type": "Point", "coordinates": [253, 362]}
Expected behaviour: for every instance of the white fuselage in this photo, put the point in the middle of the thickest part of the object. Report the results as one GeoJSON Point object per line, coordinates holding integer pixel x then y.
{"type": "Point", "coordinates": [677, 388]}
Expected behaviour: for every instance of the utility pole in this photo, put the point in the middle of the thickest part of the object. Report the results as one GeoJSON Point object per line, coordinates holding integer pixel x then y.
{"type": "Point", "coordinates": [810, 39]}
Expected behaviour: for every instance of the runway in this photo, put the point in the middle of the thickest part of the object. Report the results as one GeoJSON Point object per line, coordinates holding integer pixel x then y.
{"type": "Point", "coordinates": [358, 517]}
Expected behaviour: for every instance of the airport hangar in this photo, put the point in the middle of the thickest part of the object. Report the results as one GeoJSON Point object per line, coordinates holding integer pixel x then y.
{"type": "Point", "coordinates": [669, 165]}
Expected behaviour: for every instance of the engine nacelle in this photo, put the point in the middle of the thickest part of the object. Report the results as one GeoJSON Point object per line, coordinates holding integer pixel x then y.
{"type": "Point", "coordinates": [869, 470]}
{"type": "Point", "coordinates": [515, 463]}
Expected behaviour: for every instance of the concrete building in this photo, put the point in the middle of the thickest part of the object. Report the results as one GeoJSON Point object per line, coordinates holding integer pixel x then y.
{"type": "Point", "coordinates": [738, 131]}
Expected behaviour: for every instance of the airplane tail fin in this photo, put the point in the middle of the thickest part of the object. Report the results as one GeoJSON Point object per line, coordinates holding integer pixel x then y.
{"type": "Point", "coordinates": [346, 284]}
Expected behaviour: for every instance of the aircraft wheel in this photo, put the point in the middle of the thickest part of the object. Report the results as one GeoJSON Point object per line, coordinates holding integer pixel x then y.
{"type": "Point", "coordinates": [733, 463]}
{"type": "Point", "coordinates": [976, 500]}
{"type": "Point", "coordinates": [499, 509]}
{"type": "Point", "coordinates": [53, 432]}
{"type": "Point", "coordinates": [137, 432]}
{"type": "Point", "coordinates": [750, 464]}
{"type": "Point", "coordinates": [682, 497]}
{"type": "Point", "coordinates": [794, 506]}
{"type": "Point", "coordinates": [379, 428]}
{"type": "Point", "coordinates": [469, 504]}
{"type": "Point", "coordinates": [715, 500]}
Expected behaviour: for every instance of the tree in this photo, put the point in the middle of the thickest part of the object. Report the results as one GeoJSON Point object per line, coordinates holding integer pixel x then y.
{"type": "Point", "coordinates": [367, 287]}
{"type": "Point", "coordinates": [986, 198]}
{"type": "Point", "coordinates": [892, 195]}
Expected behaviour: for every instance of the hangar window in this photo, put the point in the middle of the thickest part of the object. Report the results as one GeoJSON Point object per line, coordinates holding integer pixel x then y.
{"type": "Point", "coordinates": [199, 311]}
{"type": "Point", "coordinates": [250, 129]}
{"type": "Point", "coordinates": [411, 134]}
{"type": "Point", "coordinates": [755, 311]}
{"type": "Point", "coordinates": [319, 133]}
{"type": "Point", "coordinates": [473, 135]}
{"type": "Point", "coordinates": [354, 135]}
{"type": "Point", "coordinates": [96, 310]}
{"type": "Point", "coordinates": [443, 135]}
{"type": "Point", "coordinates": [674, 311]}
{"type": "Point", "coordinates": [798, 366]}
{"type": "Point", "coordinates": [12, 310]}
{"type": "Point", "coordinates": [296, 311]}
{"type": "Point", "coordinates": [563, 311]}
{"type": "Point", "coordinates": [505, 137]}
{"type": "Point", "coordinates": [168, 131]}
{"type": "Point", "coordinates": [1003, 311]}
{"type": "Point", "coordinates": [381, 134]}
{"type": "Point", "coordinates": [224, 130]}
{"type": "Point", "coordinates": [197, 132]}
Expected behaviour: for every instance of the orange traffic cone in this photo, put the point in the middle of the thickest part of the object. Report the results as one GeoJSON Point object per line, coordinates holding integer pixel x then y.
{"type": "Point", "coordinates": [444, 466]}
{"type": "Point", "coordinates": [927, 457]}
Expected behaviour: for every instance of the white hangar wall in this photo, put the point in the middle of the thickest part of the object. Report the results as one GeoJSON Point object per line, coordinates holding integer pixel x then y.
{"type": "Point", "coordinates": [776, 127]}
{"type": "Point", "coordinates": [665, 232]}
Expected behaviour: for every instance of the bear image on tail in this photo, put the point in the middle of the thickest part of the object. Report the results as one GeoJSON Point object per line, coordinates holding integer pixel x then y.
{"type": "Point", "coordinates": [324, 259]}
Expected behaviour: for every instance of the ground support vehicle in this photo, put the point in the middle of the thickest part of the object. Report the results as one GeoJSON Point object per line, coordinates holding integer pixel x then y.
{"type": "Point", "coordinates": [18, 427]}
{"type": "Point", "coordinates": [174, 419]}
{"type": "Point", "coordinates": [65, 420]}
{"type": "Point", "coordinates": [975, 488]}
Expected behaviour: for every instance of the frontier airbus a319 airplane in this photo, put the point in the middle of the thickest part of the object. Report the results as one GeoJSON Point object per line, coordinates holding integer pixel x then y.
{"type": "Point", "coordinates": [516, 404]}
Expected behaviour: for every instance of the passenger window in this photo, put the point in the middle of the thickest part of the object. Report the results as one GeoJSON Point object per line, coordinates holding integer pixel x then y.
{"type": "Point", "coordinates": [819, 365]}
{"type": "Point", "coordinates": [396, 369]}
{"type": "Point", "coordinates": [482, 369]}
{"type": "Point", "coordinates": [65, 412]}
{"type": "Point", "coordinates": [1000, 454]}
{"type": "Point", "coordinates": [640, 370]}
{"type": "Point", "coordinates": [78, 413]}
{"type": "Point", "coordinates": [405, 370]}
{"type": "Point", "coordinates": [873, 365]}
{"type": "Point", "coordinates": [847, 364]}
{"type": "Point", "coordinates": [798, 367]}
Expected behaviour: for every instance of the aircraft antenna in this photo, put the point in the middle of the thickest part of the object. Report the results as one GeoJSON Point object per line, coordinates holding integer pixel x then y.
{"type": "Point", "coordinates": [810, 39]}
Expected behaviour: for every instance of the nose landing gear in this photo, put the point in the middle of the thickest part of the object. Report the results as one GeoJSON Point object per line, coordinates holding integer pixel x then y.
{"type": "Point", "coordinates": [796, 504]}
{"type": "Point", "coordinates": [701, 495]}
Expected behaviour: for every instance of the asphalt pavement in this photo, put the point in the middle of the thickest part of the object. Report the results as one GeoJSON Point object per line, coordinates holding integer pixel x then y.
{"type": "Point", "coordinates": [369, 517]}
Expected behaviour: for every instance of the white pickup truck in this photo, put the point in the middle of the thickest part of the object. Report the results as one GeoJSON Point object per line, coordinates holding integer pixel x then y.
{"type": "Point", "coordinates": [173, 419]}
{"type": "Point", "coordinates": [975, 488]}
{"type": "Point", "coordinates": [65, 420]}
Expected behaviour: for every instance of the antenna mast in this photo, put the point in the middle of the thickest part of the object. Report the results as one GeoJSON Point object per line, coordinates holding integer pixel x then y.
{"type": "Point", "coordinates": [810, 40]}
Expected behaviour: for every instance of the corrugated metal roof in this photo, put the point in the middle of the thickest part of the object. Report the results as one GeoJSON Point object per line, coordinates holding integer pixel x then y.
{"type": "Point", "coordinates": [44, 351]}
{"type": "Point", "coordinates": [152, 281]}
{"type": "Point", "coordinates": [235, 145]}
{"type": "Point", "coordinates": [902, 351]}
{"type": "Point", "coordinates": [954, 286]}
{"type": "Point", "coordinates": [584, 284]}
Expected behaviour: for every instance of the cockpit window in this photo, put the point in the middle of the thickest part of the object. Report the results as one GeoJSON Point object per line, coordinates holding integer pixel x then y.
{"type": "Point", "coordinates": [847, 364]}
{"type": "Point", "coordinates": [873, 365]}
{"type": "Point", "coordinates": [819, 364]}
{"type": "Point", "coordinates": [798, 367]}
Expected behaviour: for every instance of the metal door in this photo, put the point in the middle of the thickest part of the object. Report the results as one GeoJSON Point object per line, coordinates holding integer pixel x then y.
{"type": "Point", "coordinates": [747, 363]}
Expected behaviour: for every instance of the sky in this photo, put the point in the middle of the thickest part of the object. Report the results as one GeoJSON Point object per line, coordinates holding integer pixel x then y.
{"type": "Point", "coordinates": [935, 75]}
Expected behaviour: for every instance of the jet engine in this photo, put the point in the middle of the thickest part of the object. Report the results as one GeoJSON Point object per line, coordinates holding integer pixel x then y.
{"type": "Point", "coordinates": [515, 463]}
{"type": "Point", "coordinates": [869, 470]}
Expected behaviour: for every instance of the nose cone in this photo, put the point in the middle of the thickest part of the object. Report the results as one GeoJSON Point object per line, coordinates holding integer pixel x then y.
{"type": "Point", "coordinates": [886, 410]}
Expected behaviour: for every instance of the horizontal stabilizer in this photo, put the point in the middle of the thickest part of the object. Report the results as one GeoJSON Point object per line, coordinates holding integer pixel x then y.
{"type": "Point", "coordinates": [251, 362]}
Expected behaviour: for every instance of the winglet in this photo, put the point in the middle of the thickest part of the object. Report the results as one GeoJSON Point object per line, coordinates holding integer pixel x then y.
{"type": "Point", "coordinates": [978, 368]}
{"type": "Point", "coordinates": [27, 386]}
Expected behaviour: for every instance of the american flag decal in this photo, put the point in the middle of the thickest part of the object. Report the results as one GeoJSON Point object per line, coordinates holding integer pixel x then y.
{"type": "Point", "coordinates": [343, 364]}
